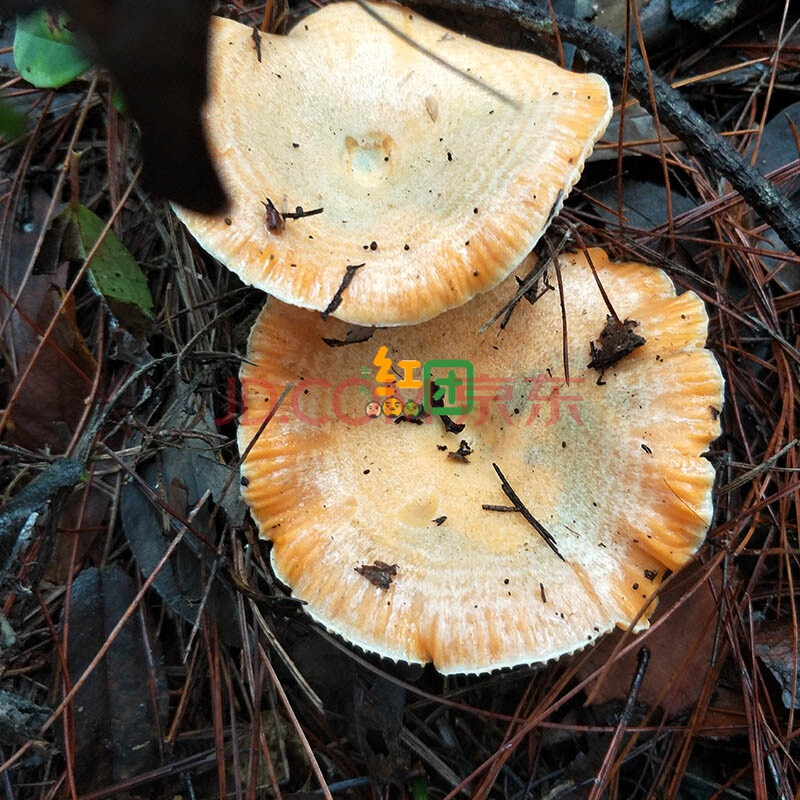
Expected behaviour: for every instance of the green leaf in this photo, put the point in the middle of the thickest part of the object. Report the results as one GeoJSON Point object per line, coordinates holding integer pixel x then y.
{"type": "Point", "coordinates": [113, 272]}
{"type": "Point", "coordinates": [419, 788]}
{"type": "Point", "coordinates": [45, 51]}
{"type": "Point", "coordinates": [118, 101]}
{"type": "Point", "coordinates": [12, 121]}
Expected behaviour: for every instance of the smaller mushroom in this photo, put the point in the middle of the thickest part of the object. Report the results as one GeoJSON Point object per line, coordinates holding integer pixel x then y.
{"type": "Point", "coordinates": [433, 184]}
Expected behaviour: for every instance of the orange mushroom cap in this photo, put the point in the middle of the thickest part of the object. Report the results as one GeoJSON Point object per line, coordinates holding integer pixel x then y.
{"type": "Point", "coordinates": [435, 185]}
{"type": "Point", "coordinates": [379, 525]}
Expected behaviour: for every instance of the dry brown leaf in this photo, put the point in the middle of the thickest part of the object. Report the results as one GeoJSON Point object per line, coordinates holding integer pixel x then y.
{"type": "Point", "coordinates": [776, 646]}
{"type": "Point", "coordinates": [680, 652]}
{"type": "Point", "coordinates": [51, 399]}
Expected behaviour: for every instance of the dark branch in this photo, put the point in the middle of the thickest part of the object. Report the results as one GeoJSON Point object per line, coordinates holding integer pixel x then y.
{"type": "Point", "coordinates": [678, 116]}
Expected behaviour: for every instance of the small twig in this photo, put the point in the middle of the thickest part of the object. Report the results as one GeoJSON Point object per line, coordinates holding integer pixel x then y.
{"type": "Point", "coordinates": [642, 660]}
{"type": "Point", "coordinates": [522, 508]}
{"type": "Point", "coordinates": [337, 298]}
{"type": "Point", "coordinates": [299, 213]}
{"type": "Point", "coordinates": [257, 42]}
{"type": "Point", "coordinates": [527, 284]}
{"type": "Point", "coordinates": [62, 474]}
{"type": "Point", "coordinates": [276, 220]}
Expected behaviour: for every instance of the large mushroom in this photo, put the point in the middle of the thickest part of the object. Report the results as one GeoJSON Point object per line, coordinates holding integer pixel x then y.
{"type": "Point", "coordinates": [437, 186]}
{"type": "Point", "coordinates": [548, 519]}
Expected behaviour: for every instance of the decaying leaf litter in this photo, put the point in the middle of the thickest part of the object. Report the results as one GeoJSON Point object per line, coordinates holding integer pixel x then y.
{"type": "Point", "coordinates": [300, 707]}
